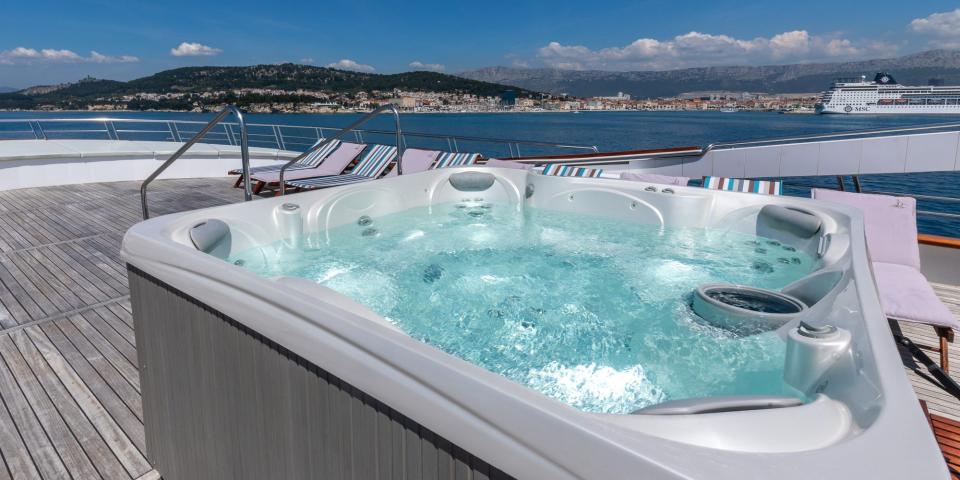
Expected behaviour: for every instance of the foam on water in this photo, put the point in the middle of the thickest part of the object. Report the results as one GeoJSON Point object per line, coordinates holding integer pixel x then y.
{"type": "Point", "coordinates": [590, 311]}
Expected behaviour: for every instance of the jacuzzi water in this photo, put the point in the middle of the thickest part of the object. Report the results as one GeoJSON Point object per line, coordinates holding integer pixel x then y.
{"type": "Point", "coordinates": [593, 312]}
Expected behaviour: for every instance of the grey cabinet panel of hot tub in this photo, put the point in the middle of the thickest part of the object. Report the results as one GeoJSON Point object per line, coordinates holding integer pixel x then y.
{"type": "Point", "coordinates": [223, 402]}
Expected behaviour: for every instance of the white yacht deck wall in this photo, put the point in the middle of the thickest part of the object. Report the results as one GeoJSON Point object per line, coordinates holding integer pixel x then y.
{"type": "Point", "coordinates": [928, 152]}
{"type": "Point", "coordinates": [42, 163]}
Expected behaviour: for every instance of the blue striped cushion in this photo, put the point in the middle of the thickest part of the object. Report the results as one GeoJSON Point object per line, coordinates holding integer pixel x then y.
{"type": "Point", "coordinates": [766, 187]}
{"type": "Point", "coordinates": [309, 161]}
{"type": "Point", "coordinates": [329, 181]}
{"type": "Point", "coordinates": [450, 159]}
{"type": "Point", "coordinates": [374, 161]}
{"type": "Point", "coordinates": [568, 171]}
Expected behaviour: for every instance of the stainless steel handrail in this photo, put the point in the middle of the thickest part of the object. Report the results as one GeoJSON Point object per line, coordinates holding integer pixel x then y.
{"type": "Point", "coordinates": [827, 136]}
{"type": "Point", "coordinates": [366, 118]}
{"type": "Point", "coordinates": [275, 136]}
{"type": "Point", "coordinates": [244, 156]}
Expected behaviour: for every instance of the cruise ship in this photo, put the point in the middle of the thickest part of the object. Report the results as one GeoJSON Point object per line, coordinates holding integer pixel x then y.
{"type": "Point", "coordinates": [884, 95]}
{"type": "Point", "coordinates": [230, 300]}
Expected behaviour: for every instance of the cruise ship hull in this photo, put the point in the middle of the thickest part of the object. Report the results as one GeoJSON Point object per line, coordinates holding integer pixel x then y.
{"type": "Point", "coordinates": [884, 96]}
{"type": "Point", "coordinates": [890, 110]}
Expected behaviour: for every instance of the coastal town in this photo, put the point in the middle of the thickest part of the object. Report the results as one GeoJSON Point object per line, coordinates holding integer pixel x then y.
{"type": "Point", "coordinates": [269, 100]}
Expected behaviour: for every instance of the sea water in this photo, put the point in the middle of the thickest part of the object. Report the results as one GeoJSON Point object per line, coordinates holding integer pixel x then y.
{"type": "Point", "coordinates": [593, 312]}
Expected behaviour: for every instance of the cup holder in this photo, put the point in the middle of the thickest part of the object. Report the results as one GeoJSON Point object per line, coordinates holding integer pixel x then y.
{"type": "Point", "coordinates": [745, 310]}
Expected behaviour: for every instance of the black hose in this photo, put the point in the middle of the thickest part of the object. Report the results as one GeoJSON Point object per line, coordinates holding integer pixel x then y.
{"type": "Point", "coordinates": [946, 383]}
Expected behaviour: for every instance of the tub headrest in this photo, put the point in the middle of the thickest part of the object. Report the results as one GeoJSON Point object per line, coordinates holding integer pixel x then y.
{"type": "Point", "coordinates": [472, 181]}
{"type": "Point", "coordinates": [798, 222]}
{"type": "Point", "coordinates": [211, 236]}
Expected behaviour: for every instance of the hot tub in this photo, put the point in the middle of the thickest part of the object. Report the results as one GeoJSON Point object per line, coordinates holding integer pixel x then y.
{"type": "Point", "coordinates": [494, 322]}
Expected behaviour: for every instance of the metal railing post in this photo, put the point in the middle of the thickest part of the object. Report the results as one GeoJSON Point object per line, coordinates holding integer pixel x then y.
{"type": "Point", "coordinates": [43, 134]}
{"type": "Point", "coordinates": [244, 152]}
{"type": "Point", "coordinates": [231, 136]}
{"type": "Point", "coordinates": [244, 156]}
{"type": "Point", "coordinates": [174, 131]}
{"type": "Point", "coordinates": [278, 137]}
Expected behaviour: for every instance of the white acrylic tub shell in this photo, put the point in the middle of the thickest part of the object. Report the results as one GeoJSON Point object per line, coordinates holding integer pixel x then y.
{"type": "Point", "coordinates": [864, 421]}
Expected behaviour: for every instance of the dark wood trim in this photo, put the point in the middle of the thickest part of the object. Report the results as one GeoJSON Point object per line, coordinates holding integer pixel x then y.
{"type": "Point", "coordinates": [938, 241]}
{"type": "Point", "coordinates": [574, 156]}
{"type": "Point", "coordinates": [945, 432]}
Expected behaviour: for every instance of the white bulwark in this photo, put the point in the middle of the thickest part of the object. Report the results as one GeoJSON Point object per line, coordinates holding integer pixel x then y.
{"type": "Point", "coordinates": [884, 95]}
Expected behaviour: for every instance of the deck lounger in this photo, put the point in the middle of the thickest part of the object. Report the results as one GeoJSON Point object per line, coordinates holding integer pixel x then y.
{"type": "Point", "coordinates": [766, 187]}
{"type": "Point", "coordinates": [309, 161]}
{"type": "Point", "coordinates": [497, 163]}
{"type": "Point", "coordinates": [890, 224]}
{"type": "Point", "coordinates": [568, 171]}
{"type": "Point", "coordinates": [416, 160]}
{"type": "Point", "coordinates": [370, 166]}
{"type": "Point", "coordinates": [334, 164]}
{"type": "Point", "coordinates": [655, 178]}
{"type": "Point", "coordinates": [450, 159]}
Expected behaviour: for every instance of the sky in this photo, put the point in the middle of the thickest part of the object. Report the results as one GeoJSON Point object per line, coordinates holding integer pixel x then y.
{"type": "Point", "coordinates": [44, 42]}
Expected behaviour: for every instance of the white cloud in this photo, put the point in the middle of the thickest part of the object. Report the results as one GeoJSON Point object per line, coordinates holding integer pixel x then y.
{"type": "Point", "coordinates": [51, 55]}
{"type": "Point", "coordinates": [946, 24]}
{"type": "Point", "coordinates": [98, 58]}
{"type": "Point", "coordinates": [431, 67]}
{"type": "Point", "coordinates": [347, 64]}
{"type": "Point", "coordinates": [701, 49]}
{"type": "Point", "coordinates": [187, 49]}
{"type": "Point", "coordinates": [945, 27]}
{"type": "Point", "coordinates": [308, 60]}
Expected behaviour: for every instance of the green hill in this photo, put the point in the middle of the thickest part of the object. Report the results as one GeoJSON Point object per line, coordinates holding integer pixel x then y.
{"type": "Point", "coordinates": [280, 77]}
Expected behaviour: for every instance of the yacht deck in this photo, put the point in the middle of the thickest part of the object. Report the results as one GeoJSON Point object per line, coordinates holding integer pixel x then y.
{"type": "Point", "coordinates": [69, 384]}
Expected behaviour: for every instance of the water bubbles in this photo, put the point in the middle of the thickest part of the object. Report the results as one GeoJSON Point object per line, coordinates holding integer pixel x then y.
{"type": "Point", "coordinates": [589, 311]}
{"type": "Point", "coordinates": [240, 262]}
{"type": "Point", "coordinates": [789, 248]}
{"type": "Point", "coordinates": [364, 220]}
{"type": "Point", "coordinates": [773, 243]}
{"type": "Point", "coordinates": [760, 250]}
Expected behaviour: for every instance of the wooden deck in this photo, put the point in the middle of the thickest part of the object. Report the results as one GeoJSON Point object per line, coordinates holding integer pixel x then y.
{"type": "Point", "coordinates": [69, 386]}
{"type": "Point", "coordinates": [68, 371]}
{"type": "Point", "coordinates": [938, 402]}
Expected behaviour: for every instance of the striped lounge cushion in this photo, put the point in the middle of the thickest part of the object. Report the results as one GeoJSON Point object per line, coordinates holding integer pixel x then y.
{"type": "Point", "coordinates": [328, 181]}
{"type": "Point", "coordinates": [766, 187]}
{"type": "Point", "coordinates": [568, 171]}
{"type": "Point", "coordinates": [450, 159]}
{"type": "Point", "coordinates": [374, 161]}
{"type": "Point", "coordinates": [309, 161]}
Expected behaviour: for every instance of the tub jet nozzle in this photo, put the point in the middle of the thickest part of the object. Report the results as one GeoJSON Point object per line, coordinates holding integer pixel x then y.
{"type": "Point", "coordinates": [291, 224]}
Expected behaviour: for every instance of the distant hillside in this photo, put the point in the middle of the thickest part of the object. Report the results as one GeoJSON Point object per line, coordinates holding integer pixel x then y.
{"type": "Point", "coordinates": [7, 89]}
{"type": "Point", "coordinates": [814, 77]}
{"type": "Point", "coordinates": [281, 77]}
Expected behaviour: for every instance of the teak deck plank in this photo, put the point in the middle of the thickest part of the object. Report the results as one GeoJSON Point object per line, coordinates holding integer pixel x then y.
{"type": "Point", "coordinates": [68, 371]}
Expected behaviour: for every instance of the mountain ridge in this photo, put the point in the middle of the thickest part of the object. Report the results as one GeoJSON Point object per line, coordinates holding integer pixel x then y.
{"type": "Point", "coordinates": [286, 76]}
{"type": "Point", "coordinates": [788, 78]}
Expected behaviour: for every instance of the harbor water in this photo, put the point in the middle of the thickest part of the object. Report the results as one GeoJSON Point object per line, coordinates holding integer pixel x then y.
{"type": "Point", "coordinates": [630, 130]}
